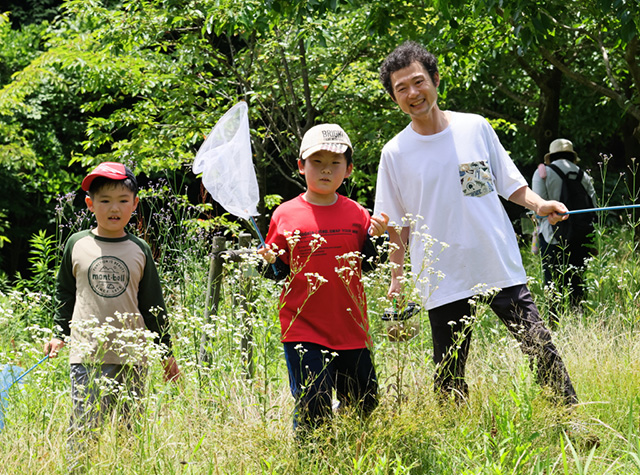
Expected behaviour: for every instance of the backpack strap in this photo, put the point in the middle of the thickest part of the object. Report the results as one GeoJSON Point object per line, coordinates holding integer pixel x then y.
{"type": "Point", "coordinates": [559, 172]}
{"type": "Point", "coordinates": [579, 174]}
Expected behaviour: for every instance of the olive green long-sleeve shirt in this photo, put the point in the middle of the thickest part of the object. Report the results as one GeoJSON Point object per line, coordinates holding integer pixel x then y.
{"type": "Point", "coordinates": [108, 293]}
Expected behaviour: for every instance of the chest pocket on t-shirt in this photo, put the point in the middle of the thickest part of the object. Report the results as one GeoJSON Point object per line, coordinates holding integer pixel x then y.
{"type": "Point", "coordinates": [475, 179]}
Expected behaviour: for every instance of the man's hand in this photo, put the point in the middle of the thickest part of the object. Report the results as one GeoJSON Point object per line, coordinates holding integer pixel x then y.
{"type": "Point", "coordinates": [52, 347]}
{"type": "Point", "coordinates": [553, 210]}
{"type": "Point", "coordinates": [398, 243]}
{"type": "Point", "coordinates": [171, 370]}
{"type": "Point", "coordinates": [378, 225]}
{"type": "Point", "coordinates": [395, 290]}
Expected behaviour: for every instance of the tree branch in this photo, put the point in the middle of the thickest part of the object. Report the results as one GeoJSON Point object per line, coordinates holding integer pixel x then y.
{"type": "Point", "coordinates": [607, 64]}
{"type": "Point", "coordinates": [512, 95]}
{"type": "Point", "coordinates": [620, 99]}
{"type": "Point", "coordinates": [508, 118]}
{"type": "Point", "coordinates": [311, 111]}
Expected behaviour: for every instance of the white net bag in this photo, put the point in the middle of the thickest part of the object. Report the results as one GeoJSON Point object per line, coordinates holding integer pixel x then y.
{"type": "Point", "coordinates": [226, 164]}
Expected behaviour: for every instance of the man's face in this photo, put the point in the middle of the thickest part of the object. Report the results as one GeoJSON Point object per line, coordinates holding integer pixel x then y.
{"type": "Point", "coordinates": [414, 91]}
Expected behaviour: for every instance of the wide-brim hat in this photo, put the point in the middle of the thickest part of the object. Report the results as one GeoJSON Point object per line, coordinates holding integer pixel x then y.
{"type": "Point", "coordinates": [560, 145]}
{"type": "Point", "coordinates": [328, 137]}
{"type": "Point", "coordinates": [112, 170]}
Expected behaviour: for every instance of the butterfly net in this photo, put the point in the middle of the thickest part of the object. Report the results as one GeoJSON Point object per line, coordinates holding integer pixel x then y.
{"type": "Point", "coordinates": [226, 164]}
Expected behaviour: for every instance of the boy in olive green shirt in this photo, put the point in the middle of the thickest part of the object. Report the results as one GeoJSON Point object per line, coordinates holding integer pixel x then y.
{"type": "Point", "coordinates": [108, 297]}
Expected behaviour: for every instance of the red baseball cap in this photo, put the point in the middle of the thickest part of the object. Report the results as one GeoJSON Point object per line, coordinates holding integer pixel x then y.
{"type": "Point", "coordinates": [112, 170]}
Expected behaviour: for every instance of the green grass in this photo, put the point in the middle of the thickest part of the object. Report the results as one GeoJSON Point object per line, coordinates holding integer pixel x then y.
{"type": "Point", "coordinates": [220, 421]}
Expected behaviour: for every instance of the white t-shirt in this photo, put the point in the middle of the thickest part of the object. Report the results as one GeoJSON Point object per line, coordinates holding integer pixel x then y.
{"type": "Point", "coordinates": [448, 185]}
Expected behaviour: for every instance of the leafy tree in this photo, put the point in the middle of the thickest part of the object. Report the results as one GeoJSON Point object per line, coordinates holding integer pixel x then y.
{"type": "Point", "coordinates": [30, 12]}
{"type": "Point", "coordinates": [143, 81]}
{"type": "Point", "coordinates": [592, 44]}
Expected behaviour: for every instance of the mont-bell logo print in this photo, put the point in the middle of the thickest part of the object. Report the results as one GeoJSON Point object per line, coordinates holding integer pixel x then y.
{"type": "Point", "coordinates": [108, 276]}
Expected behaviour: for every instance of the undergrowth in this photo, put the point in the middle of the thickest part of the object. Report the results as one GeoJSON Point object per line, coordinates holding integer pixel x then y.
{"type": "Point", "coordinates": [231, 413]}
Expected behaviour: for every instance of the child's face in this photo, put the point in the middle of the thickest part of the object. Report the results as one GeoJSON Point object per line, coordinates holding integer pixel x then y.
{"type": "Point", "coordinates": [113, 207]}
{"type": "Point", "coordinates": [324, 172]}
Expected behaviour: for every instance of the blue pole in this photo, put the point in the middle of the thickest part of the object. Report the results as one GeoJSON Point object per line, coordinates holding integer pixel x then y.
{"type": "Point", "coordinates": [606, 208]}
{"type": "Point", "coordinates": [25, 373]}
{"type": "Point", "coordinates": [591, 210]}
{"type": "Point", "coordinates": [255, 226]}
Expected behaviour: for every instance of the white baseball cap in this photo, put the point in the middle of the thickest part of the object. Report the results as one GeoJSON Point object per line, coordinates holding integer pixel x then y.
{"type": "Point", "coordinates": [328, 137]}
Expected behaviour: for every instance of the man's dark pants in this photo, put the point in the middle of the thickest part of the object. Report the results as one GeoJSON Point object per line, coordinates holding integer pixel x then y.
{"type": "Point", "coordinates": [451, 331]}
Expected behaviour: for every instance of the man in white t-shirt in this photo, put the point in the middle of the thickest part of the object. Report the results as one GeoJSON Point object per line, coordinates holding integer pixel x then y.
{"type": "Point", "coordinates": [440, 179]}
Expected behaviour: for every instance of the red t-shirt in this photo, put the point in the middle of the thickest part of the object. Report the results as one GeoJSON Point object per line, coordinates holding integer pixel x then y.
{"type": "Point", "coordinates": [333, 314]}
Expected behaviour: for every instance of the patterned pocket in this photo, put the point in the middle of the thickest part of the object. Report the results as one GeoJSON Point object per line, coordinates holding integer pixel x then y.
{"type": "Point", "coordinates": [475, 179]}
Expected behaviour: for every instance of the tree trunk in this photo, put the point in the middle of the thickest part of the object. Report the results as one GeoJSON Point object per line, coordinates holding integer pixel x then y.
{"type": "Point", "coordinates": [548, 123]}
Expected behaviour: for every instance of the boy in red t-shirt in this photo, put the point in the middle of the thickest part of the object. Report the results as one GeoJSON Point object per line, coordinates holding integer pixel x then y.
{"type": "Point", "coordinates": [318, 240]}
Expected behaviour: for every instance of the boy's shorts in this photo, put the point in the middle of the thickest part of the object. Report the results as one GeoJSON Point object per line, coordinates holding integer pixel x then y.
{"type": "Point", "coordinates": [97, 390]}
{"type": "Point", "coordinates": [316, 371]}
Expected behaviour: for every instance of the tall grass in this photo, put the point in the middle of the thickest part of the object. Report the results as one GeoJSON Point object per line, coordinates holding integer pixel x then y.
{"type": "Point", "coordinates": [223, 420]}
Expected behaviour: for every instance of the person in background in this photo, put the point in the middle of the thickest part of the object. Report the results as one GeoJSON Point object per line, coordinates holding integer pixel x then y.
{"type": "Point", "coordinates": [563, 258]}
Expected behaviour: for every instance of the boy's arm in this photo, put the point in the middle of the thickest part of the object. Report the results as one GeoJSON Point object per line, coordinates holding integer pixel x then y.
{"type": "Point", "coordinates": [53, 347]}
{"type": "Point", "coordinates": [65, 296]}
{"type": "Point", "coordinates": [153, 311]}
{"type": "Point", "coordinates": [65, 299]}
{"type": "Point", "coordinates": [151, 304]}
{"type": "Point", "coordinates": [370, 255]}
{"type": "Point", "coordinates": [277, 268]}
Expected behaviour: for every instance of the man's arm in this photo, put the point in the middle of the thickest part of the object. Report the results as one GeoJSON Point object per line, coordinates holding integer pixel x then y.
{"type": "Point", "coordinates": [552, 209]}
{"type": "Point", "coordinates": [398, 243]}
{"type": "Point", "coordinates": [171, 369]}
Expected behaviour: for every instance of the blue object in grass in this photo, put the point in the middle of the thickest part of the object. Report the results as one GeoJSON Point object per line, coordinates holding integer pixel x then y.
{"type": "Point", "coordinates": [9, 376]}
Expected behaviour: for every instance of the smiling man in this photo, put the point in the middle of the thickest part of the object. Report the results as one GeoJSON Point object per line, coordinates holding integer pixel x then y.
{"type": "Point", "coordinates": [445, 173]}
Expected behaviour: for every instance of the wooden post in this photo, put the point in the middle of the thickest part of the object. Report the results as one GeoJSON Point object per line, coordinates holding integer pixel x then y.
{"type": "Point", "coordinates": [248, 274]}
{"type": "Point", "coordinates": [213, 294]}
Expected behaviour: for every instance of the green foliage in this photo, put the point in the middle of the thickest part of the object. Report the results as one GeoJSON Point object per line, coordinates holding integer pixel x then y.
{"type": "Point", "coordinates": [4, 225]}
{"type": "Point", "coordinates": [44, 257]}
{"type": "Point", "coordinates": [271, 201]}
{"type": "Point", "coordinates": [142, 82]}
{"type": "Point", "coordinates": [508, 425]}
